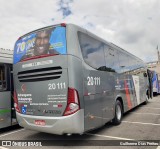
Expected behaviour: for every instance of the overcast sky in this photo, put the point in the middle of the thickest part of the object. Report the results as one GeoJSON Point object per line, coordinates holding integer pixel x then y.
{"type": "Point", "coordinates": [133, 25]}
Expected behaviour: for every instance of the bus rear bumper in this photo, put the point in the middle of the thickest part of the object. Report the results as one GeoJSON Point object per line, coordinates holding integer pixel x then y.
{"type": "Point", "coordinates": [72, 124]}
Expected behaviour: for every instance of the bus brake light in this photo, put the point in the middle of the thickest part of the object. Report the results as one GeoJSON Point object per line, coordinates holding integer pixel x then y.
{"type": "Point", "coordinates": [16, 102]}
{"type": "Point", "coordinates": [63, 24]}
{"type": "Point", "coordinates": [73, 104]}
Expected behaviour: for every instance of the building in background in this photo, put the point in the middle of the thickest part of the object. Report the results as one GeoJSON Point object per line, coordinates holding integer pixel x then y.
{"type": "Point", "coordinates": [6, 55]}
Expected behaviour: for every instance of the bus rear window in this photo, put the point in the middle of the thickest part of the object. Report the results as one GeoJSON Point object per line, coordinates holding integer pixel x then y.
{"type": "Point", "coordinates": [43, 42]}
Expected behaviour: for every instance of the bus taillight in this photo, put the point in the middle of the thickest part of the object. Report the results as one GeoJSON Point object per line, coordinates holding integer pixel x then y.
{"type": "Point", "coordinates": [73, 104]}
{"type": "Point", "coordinates": [16, 102]}
{"type": "Point", "coordinates": [63, 24]}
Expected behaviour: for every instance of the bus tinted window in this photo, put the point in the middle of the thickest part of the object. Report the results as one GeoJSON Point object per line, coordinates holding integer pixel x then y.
{"type": "Point", "coordinates": [46, 41]}
{"type": "Point", "coordinates": [2, 78]}
{"type": "Point", "coordinates": [111, 57]}
{"type": "Point", "coordinates": [92, 51]}
{"type": "Point", "coordinates": [124, 62]}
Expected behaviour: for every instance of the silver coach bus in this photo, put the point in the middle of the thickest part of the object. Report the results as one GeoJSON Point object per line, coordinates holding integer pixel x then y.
{"type": "Point", "coordinates": [7, 112]}
{"type": "Point", "coordinates": [67, 80]}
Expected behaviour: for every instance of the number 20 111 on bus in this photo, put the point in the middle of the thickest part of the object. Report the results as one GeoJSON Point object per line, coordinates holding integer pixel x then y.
{"type": "Point", "coordinates": [93, 81]}
{"type": "Point", "coordinates": [53, 86]}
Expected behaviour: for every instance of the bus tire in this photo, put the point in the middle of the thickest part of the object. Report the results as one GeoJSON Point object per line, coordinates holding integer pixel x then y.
{"type": "Point", "coordinates": [118, 113]}
{"type": "Point", "coordinates": [147, 99]}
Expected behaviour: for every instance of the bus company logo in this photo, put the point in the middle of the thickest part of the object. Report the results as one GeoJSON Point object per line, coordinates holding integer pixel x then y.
{"type": "Point", "coordinates": [23, 88]}
{"type": "Point", "coordinates": [52, 111]}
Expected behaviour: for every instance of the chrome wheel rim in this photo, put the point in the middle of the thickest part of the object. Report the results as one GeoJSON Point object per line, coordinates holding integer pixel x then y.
{"type": "Point", "coordinates": [118, 112]}
{"type": "Point", "coordinates": [147, 98]}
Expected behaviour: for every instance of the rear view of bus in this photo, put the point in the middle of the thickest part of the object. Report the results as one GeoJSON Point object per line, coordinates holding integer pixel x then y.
{"type": "Point", "coordinates": [46, 99]}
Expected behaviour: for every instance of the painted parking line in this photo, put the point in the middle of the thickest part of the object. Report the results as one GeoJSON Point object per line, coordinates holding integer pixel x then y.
{"type": "Point", "coordinates": [11, 132]}
{"type": "Point", "coordinates": [145, 113]}
{"type": "Point", "coordinates": [1, 147]}
{"type": "Point", "coordinates": [141, 123]}
{"type": "Point", "coordinates": [152, 108]}
{"type": "Point", "coordinates": [154, 102]}
{"type": "Point", "coordinates": [158, 147]}
{"type": "Point", "coordinates": [110, 137]}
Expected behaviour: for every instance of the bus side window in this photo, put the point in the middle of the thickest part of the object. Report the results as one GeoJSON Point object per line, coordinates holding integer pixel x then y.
{"type": "Point", "coordinates": [111, 58]}
{"type": "Point", "coordinates": [2, 78]}
{"type": "Point", "coordinates": [92, 51]}
{"type": "Point", "coordinates": [124, 62]}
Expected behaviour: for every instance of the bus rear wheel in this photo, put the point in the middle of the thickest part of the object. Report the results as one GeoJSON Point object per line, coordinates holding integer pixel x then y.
{"type": "Point", "coordinates": [118, 113]}
{"type": "Point", "coordinates": [147, 99]}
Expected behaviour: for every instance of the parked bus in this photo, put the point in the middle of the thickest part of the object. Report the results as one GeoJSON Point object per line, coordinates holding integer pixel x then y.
{"type": "Point", "coordinates": [159, 85]}
{"type": "Point", "coordinates": [68, 80]}
{"type": "Point", "coordinates": [155, 83]}
{"type": "Point", "coordinates": [7, 112]}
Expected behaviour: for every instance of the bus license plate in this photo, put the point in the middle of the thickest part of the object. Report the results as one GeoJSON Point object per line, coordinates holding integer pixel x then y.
{"type": "Point", "coordinates": [40, 122]}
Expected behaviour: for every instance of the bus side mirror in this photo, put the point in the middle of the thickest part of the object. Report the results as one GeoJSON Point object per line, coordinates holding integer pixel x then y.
{"type": "Point", "coordinates": [145, 74]}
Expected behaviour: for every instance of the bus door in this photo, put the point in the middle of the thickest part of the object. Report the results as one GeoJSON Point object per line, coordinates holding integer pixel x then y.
{"type": "Point", "coordinates": [150, 76]}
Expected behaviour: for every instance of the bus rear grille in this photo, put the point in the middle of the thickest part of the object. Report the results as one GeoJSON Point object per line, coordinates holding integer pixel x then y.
{"type": "Point", "coordinates": [41, 74]}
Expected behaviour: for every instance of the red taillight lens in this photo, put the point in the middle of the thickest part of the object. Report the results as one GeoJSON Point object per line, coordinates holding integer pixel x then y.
{"type": "Point", "coordinates": [73, 104]}
{"type": "Point", "coordinates": [16, 102]}
{"type": "Point", "coordinates": [72, 96]}
{"type": "Point", "coordinates": [63, 24]}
